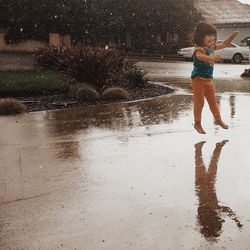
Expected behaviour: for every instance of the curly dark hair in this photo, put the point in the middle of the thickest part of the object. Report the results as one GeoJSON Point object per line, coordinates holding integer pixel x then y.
{"type": "Point", "coordinates": [203, 29]}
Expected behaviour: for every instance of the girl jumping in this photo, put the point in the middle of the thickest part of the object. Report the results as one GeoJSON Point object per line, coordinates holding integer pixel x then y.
{"type": "Point", "coordinates": [205, 40]}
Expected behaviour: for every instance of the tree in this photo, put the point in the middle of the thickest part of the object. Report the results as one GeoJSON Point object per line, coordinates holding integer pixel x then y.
{"type": "Point", "coordinates": [25, 19]}
{"type": "Point", "coordinates": [145, 19]}
{"type": "Point", "coordinates": [97, 21]}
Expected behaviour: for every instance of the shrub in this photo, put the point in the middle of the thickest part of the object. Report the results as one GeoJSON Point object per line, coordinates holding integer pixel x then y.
{"type": "Point", "coordinates": [51, 57]}
{"type": "Point", "coordinates": [246, 73]}
{"type": "Point", "coordinates": [11, 106]}
{"type": "Point", "coordinates": [96, 65]}
{"type": "Point", "coordinates": [136, 77]}
{"type": "Point", "coordinates": [115, 93]}
{"type": "Point", "coordinates": [74, 87]}
{"type": "Point", "coordinates": [84, 92]}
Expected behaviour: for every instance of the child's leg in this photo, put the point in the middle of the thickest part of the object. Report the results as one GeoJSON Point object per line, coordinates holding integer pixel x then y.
{"type": "Point", "coordinates": [198, 97]}
{"type": "Point", "coordinates": [211, 99]}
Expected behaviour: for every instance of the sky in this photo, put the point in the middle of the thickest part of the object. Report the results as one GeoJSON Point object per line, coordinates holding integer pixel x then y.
{"type": "Point", "coordinates": [244, 1]}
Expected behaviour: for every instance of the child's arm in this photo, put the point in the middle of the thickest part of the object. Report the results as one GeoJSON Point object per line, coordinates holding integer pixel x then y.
{"type": "Point", "coordinates": [205, 58]}
{"type": "Point", "coordinates": [227, 42]}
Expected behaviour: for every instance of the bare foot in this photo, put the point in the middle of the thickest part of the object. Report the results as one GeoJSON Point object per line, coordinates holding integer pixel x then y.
{"type": "Point", "coordinates": [222, 143]}
{"type": "Point", "coordinates": [222, 124]}
{"type": "Point", "coordinates": [199, 128]}
{"type": "Point", "coordinates": [199, 145]}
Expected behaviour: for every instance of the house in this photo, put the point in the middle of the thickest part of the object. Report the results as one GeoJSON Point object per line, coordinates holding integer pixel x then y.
{"type": "Point", "coordinates": [227, 15]}
{"type": "Point", "coordinates": [56, 40]}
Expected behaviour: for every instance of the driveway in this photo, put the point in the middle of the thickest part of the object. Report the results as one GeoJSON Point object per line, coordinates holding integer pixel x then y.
{"type": "Point", "coordinates": [128, 176]}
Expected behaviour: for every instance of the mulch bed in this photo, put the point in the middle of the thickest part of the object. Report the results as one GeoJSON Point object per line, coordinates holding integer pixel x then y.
{"type": "Point", "coordinates": [62, 101]}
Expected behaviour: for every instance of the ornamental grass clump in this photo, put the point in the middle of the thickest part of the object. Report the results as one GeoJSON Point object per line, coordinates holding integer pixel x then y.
{"type": "Point", "coordinates": [115, 93]}
{"type": "Point", "coordinates": [84, 92]}
{"type": "Point", "coordinates": [10, 106]}
{"type": "Point", "coordinates": [136, 77]}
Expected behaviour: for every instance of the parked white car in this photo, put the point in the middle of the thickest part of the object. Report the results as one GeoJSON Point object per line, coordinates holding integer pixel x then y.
{"type": "Point", "coordinates": [234, 53]}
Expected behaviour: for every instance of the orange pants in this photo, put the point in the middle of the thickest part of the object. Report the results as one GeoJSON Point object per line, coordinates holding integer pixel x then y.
{"type": "Point", "coordinates": [204, 88]}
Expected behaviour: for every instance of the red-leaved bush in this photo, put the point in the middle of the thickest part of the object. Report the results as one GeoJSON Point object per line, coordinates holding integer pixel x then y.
{"type": "Point", "coordinates": [95, 65]}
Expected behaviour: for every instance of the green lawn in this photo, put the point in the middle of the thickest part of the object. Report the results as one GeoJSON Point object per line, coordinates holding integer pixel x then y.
{"type": "Point", "coordinates": [31, 82]}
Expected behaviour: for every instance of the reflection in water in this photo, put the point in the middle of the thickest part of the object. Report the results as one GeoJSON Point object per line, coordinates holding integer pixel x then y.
{"type": "Point", "coordinates": [232, 105]}
{"type": "Point", "coordinates": [116, 117]}
{"type": "Point", "coordinates": [210, 212]}
{"type": "Point", "coordinates": [119, 117]}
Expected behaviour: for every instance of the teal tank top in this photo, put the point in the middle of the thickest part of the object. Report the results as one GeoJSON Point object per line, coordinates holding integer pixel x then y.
{"type": "Point", "coordinates": [201, 68]}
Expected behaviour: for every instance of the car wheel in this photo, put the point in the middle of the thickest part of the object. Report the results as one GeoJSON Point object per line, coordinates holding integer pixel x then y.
{"type": "Point", "coordinates": [237, 58]}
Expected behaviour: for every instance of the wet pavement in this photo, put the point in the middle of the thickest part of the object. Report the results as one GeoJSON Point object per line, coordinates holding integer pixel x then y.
{"type": "Point", "coordinates": [128, 176]}
{"type": "Point", "coordinates": [182, 69]}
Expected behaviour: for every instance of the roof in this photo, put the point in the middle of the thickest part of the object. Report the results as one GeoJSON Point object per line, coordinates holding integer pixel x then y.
{"type": "Point", "coordinates": [224, 11]}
